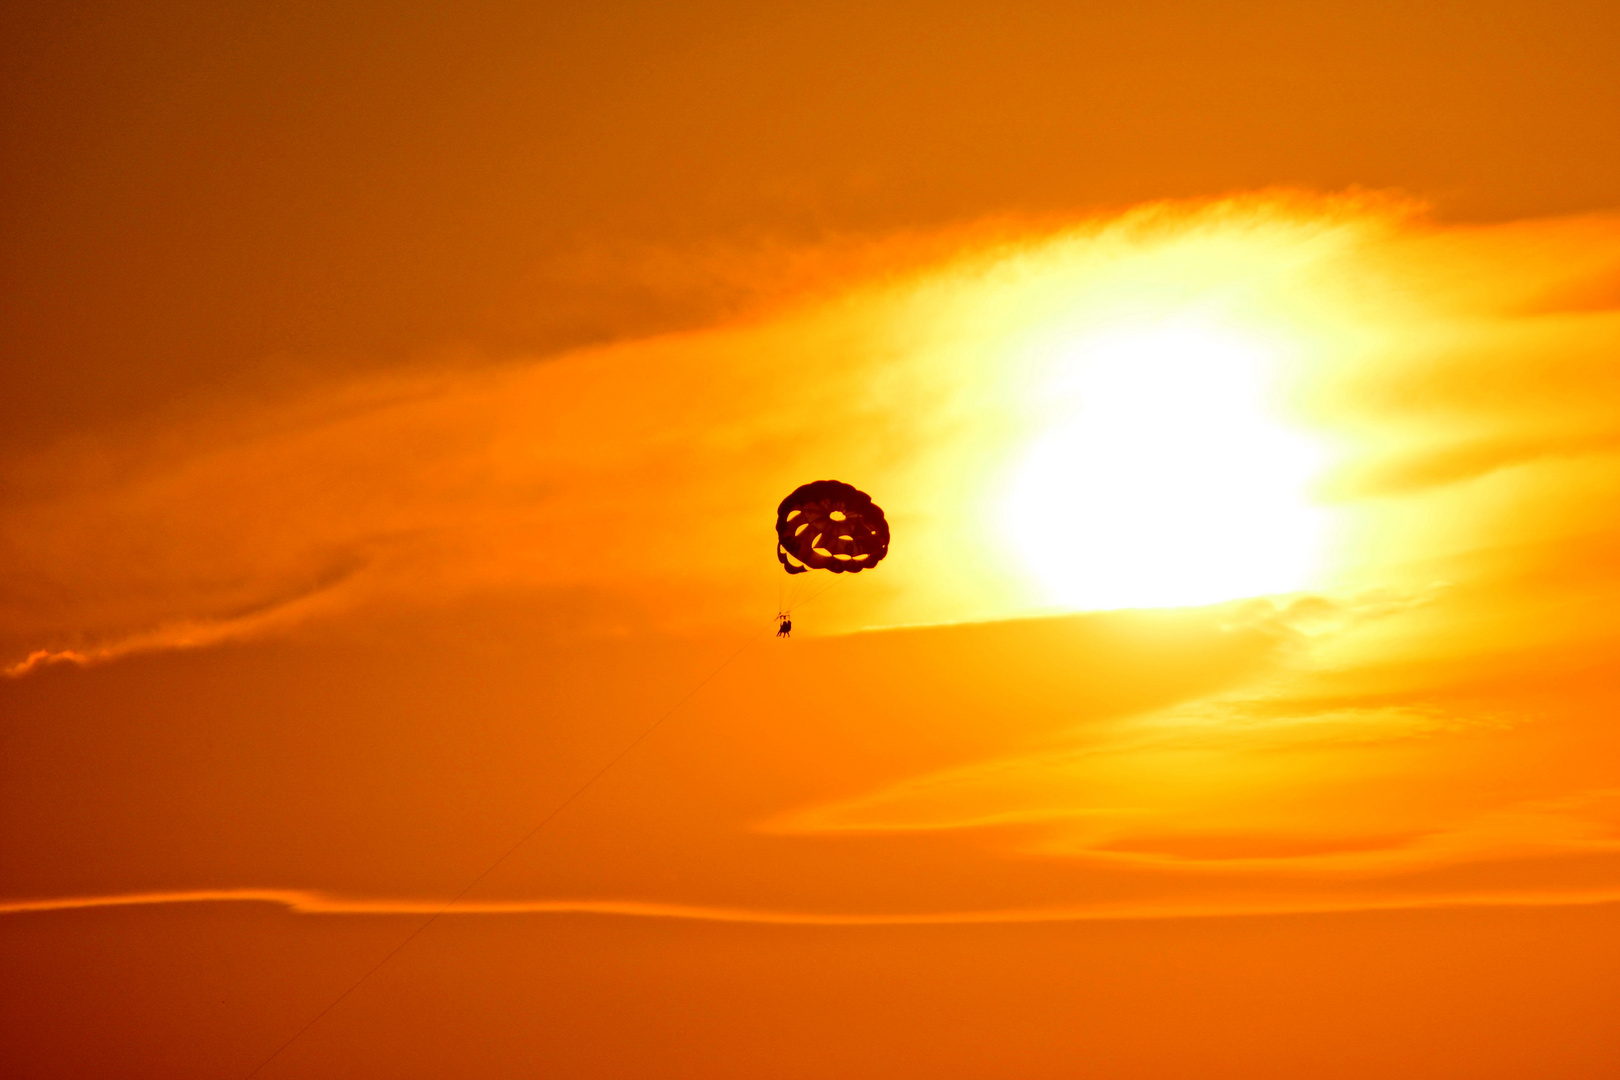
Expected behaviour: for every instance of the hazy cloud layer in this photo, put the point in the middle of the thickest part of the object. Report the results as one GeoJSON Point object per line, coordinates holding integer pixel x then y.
{"type": "Point", "coordinates": [484, 566]}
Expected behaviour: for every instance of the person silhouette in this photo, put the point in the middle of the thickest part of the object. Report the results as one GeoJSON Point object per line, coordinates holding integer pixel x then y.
{"type": "Point", "coordinates": [786, 629]}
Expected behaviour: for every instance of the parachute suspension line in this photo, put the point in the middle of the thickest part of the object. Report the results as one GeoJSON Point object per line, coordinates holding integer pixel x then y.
{"type": "Point", "coordinates": [793, 585]}
{"type": "Point", "coordinates": [795, 588]}
{"type": "Point", "coordinates": [790, 593]}
{"type": "Point", "coordinates": [784, 610]}
{"type": "Point", "coordinates": [784, 606]}
{"type": "Point", "coordinates": [807, 600]}
{"type": "Point", "coordinates": [508, 853]}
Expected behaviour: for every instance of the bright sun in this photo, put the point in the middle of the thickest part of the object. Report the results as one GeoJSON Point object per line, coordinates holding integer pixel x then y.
{"type": "Point", "coordinates": [1164, 478]}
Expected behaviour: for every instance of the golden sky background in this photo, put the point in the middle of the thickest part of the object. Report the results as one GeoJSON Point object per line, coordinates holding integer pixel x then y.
{"type": "Point", "coordinates": [398, 401]}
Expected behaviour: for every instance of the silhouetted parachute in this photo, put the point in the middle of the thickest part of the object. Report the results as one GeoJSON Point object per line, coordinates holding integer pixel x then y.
{"type": "Point", "coordinates": [830, 525]}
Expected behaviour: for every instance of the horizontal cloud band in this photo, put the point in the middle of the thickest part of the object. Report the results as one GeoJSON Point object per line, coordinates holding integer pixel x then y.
{"type": "Point", "coordinates": [305, 902]}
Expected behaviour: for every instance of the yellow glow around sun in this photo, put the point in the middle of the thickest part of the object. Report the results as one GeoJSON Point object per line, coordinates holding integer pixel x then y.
{"type": "Point", "coordinates": [1164, 476]}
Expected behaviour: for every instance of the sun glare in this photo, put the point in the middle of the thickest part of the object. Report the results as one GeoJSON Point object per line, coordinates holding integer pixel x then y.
{"type": "Point", "coordinates": [1163, 476]}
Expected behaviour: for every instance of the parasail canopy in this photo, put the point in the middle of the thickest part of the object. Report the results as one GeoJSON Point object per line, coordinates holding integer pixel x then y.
{"type": "Point", "coordinates": [830, 525]}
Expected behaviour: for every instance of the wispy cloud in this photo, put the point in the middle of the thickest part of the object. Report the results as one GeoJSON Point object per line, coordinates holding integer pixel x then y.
{"type": "Point", "coordinates": [317, 903]}
{"type": "Point", "coordinates": [638, 467]}
{"type": "Point", "coordinates": [185, 634]}
{"type": "Point", "coordinates": [635, 467]}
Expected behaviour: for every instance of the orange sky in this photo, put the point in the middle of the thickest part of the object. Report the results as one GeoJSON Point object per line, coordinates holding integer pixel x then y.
{"type": "Point", "coordinates": [399, 402]}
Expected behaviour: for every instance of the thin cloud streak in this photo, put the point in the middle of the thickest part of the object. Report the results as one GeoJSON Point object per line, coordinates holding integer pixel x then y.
{"type": "Point", "coordinates": [188, 634]}
{"type": "Point", "coordinates": [317, 903]}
